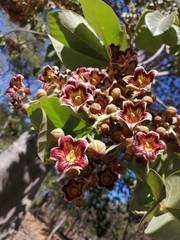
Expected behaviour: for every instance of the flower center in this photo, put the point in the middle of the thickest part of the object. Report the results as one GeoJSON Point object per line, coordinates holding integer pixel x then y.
{"type": "Point", "coordinates": [148, 146]}
{"type": "Point", "coordinates": [71, 156]}
{"type": "Point", "coordinates": [77, 100]}
{"type": "Point", "coordinates": [74, 191]}
{"type": "Point", "coordinates": [94, 81]}
{"type": "Point", "coordinates": [107, 179]}
{"type": "Point", "coordinates": [133, 117]}
{"type": "Point", "coordinates": [140, 81]}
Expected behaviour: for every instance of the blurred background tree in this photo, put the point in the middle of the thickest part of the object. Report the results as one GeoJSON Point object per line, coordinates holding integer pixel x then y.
{"type": "Point", "coordinates": [25, 48]}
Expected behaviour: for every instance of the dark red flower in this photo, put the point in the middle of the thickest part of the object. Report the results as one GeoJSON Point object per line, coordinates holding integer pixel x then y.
{"type": "Point", "coordinates": [75, 96]}
{"type": "Point", "coordinates": [133, 114]}
{"type": "Point", "coordinates": [141, 81]}
{"type": "Point", "coordinates": [107, 178]}
{"type": "Point", "coordinates": [73, 189]}
{"type": "Point", "coordinates": [70, 153]}
{"type": "Point", "coordinates": [148, 145]}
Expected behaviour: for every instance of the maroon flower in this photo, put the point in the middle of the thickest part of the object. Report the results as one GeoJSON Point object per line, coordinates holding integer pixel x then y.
{"type": "Point", "coordinates": [50, 74]}
{"type": "Point", "coordinates": [78, 75]}
{"type": "Point", "coordinates": [102, 99]}
{"type": "Point", "coordinates": [133, 114]}
{"type": "Point", "coordinates": [16, 85]}
{"type": "Point", "coordinates": [98, 78]}
{"type": "Point", "coordinates": [148, 145]}
{"type": "Point", "coordinates": [76, 96]}
{"type": "Point", "coordinates": [70, 153]}
{"type": "Point", "coordinates": [73, 189]}
{"type": "Point", "coordinates": [141, 81]}
{"type": "Point", "coordinates": [107, 178]}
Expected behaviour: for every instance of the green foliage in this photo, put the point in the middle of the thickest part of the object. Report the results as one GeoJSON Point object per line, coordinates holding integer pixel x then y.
{"type": "Point", "coordinates": [85, 41]}
{"type": "Point", "coordinates": [104, 22]}
{"type": "Point", "coordinates": [155, 29]}
{"type": "Point", "coordinates": [47, 114]}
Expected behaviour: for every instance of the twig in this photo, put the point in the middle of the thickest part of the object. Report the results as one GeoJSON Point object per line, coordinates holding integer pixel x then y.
{"type": "Point", "coordinates": [154, 56]}
{"type": "Point", "coordinates": [57, 227]}
{"type": "Point", "coordinates": [23, 30]}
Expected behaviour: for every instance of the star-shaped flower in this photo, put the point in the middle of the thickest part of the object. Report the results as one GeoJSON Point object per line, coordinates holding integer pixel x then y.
{"type": "Point", "coordinates": [141, 81]}
{"type": "Point", "coordinates": [70, 153]}
{"type": "Point", "coordinates": [107, 178]}
{"type": "Point", "coordinates": [16, 85]}
{"type": "Point", "coordinates": [148, 145]}
{"type": "Point", "coordinates": [76, 96]}
{"type": "Point", "coordinates": [133, 114]}
{"type": "Point", "coordinates": [73, 189]}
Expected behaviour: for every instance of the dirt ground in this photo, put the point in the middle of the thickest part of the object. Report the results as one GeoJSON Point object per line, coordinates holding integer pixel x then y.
{"type": "Point", "coordinates": [33, 229]}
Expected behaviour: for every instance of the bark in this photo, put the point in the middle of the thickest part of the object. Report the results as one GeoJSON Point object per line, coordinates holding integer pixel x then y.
{"type": "Point", "coordinates": [21, 173]}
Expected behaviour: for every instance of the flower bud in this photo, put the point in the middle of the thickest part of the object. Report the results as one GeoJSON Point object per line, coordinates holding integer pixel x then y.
{"type": "Point", "coordinates": [41, 93]}
{"type": "Point", "coordinates": [170, 112]}
{"type": "Point", "coordinates": [120, 167]}
{"type": "Point", "coordinates": [56, 134]}
{"type": "Point", "coordinates": [95, 108]}
{"type": "Point", "coordinates": [116, 93]}
{"type": "Point", "coordinates": [178, 119]}
{"type": "Point", "coordinates": [157, 120]}
{"type": "Point", "coordinates": [27, 91]}
{"type": "Point", "coordinates": [24, 108]}
{"type": "Point", "coordinates": [163, 133]}
{"type": "Point", "coordinates": [111, 108]}
{"type": "Point", "coordinates": [79, 202]}
{"type": "Point", "coordinates": [96, 149]}
{"type": "Point", "coordinates": [142, 128]}
{"type": "Point", "coordinates": [73, 172]}
{"type": "Point", "coordinates": [105, 128]}
{"type": "Point", "coordinates": [148, 100]}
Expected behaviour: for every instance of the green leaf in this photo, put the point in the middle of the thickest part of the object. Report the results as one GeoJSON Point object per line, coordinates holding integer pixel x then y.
{"type": "Point", "coordinates": [142, 199]}
{"type": "Point", "coordinates": [104, 21]}
{"type": "Point", "coordinates": [75, 124]}
{"type": "Point", "coordinates": [74, 33]}
{"type": "Point", "coordinates": [47, 114]}
{"type": "Point", "coordinates": [45, 143]}
{"type": "Point", "coordinates": [157, 23]}
{"type": "Point", "coordinates": [138, 169]}
{"type": "Point", "coordinates": [171, 164]}
{"type": "Point", "coordinates": [73, 59]}
{"type": "Point", "coordinates": [35, 115]}
{"type": "Point", "coordinates": [145, 39]}
{"type": "Point", "coordinates": [156, 184]}
{"type": "Point", "coordinates": [163, 226]}
{"type": "Point", "coordinates": [172, 183]}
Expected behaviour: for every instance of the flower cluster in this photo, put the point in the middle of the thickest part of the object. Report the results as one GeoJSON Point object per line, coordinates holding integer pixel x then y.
{"type": "Point", "coordinates": [117, 100]}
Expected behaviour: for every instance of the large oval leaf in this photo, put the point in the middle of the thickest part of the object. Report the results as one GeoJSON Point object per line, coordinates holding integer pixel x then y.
{"type": "Point", "coordinates": [73, 32]}
{"type": "Point", "coordinates": [145, 39]}
{"type": "Point", "coordinates": [163, 226]}
{"type": "Point", "coordinates": [157, 23]}
{"type": "Point", "coordinates": [156, 184]}
{"type": "Point", "coordinates": [73, 59]}
{"type": "Point", "coordinates": [172, 183]}
{"type": "Point", "coordinates": [104, 21]}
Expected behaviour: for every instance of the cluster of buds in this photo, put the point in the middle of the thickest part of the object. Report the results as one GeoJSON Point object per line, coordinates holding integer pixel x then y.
{"type": "Point", "coordinates": [118, 102]}
{"type": "Point", "coordinates": [18, 93]}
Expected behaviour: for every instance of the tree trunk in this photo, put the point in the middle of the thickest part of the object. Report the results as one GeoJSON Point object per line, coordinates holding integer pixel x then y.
{"type": "Point", "coordinates": [21, 173]}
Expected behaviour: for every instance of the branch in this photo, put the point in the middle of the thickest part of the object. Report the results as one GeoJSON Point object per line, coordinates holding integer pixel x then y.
{"type": "Point", "coordinates": [23, 30]}
{"type": "Point", "coordinates": [57, 227]}
{"type": "Point", "coordinates": [154, 56]}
